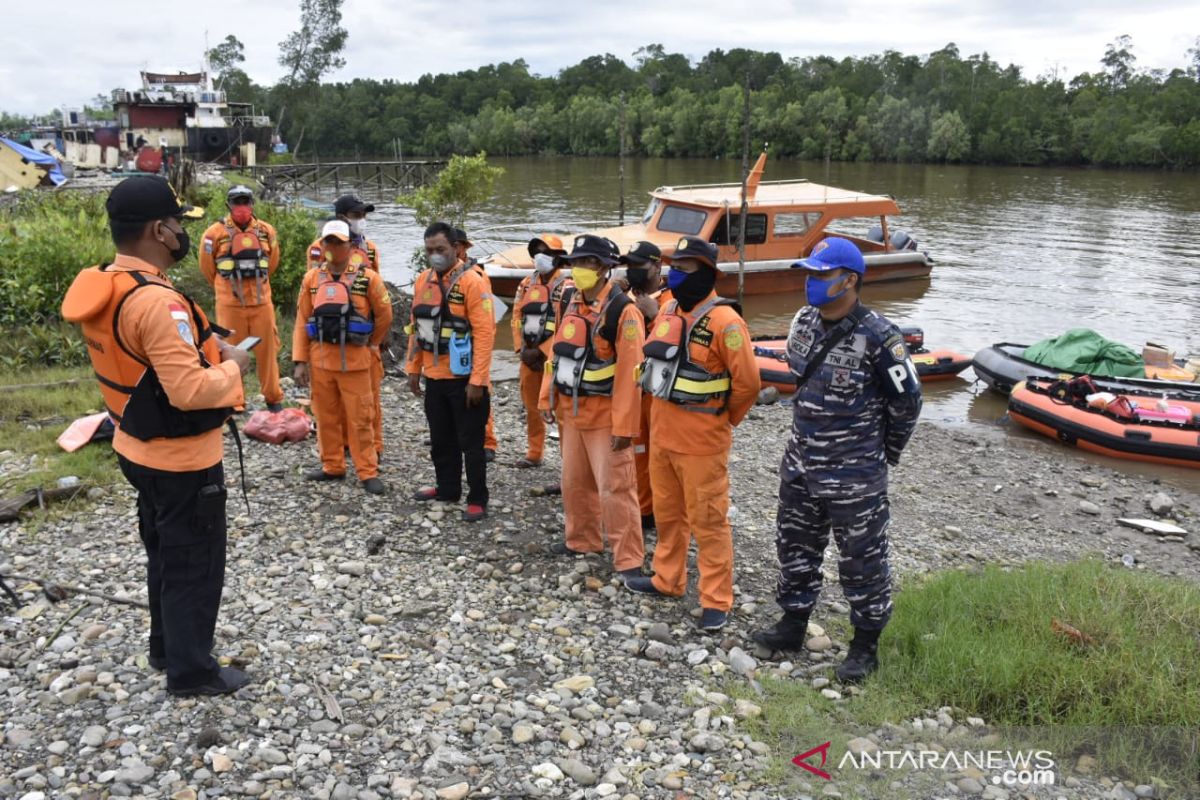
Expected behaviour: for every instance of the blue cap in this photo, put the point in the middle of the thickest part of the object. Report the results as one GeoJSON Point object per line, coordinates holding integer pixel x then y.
{"type": "Point", "coordinates": [833, 252]}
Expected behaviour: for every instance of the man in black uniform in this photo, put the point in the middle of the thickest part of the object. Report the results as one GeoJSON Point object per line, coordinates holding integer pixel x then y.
{"type": "Point", "coordinates": [856, 405]}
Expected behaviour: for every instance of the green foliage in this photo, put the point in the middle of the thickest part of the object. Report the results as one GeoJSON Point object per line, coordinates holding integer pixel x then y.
{"type": "Point", "coordinates": [985, 642]}
{"type": "Point", "coordinates": [465, 184]}
{"type": "Point", "coordinates": [877, 107]}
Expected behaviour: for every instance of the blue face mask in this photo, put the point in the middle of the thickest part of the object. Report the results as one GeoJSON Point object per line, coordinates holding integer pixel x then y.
{"type": "Point", "coordinates": [816, 290]}
{"type": "Point", "coordinates": [675, 277]}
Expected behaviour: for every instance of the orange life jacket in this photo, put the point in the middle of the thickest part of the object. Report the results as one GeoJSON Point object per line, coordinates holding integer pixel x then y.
{"type": "Point", "coordinates": [537, 309]}
{"type": "Point", "coordinates": [132, 393]}
{"type": "Point", "coordinates": [247, 258]}
{"type": "Point", "coordinates": [669, 371]}
{"type": "Point", "coordinates": [434, 324]}
{"type": "Point", "coordinates": [578, 370]}
{"type": "Point", "coordinates": [335, 318]}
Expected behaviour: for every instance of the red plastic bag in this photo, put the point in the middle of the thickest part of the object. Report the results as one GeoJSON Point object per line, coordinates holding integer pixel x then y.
{"type": "Point", "coordinates": [289, 425]}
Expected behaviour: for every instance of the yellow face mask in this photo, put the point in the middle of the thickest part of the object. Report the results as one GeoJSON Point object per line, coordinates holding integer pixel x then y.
{"type": "Point", "coordinates": [585, 279]}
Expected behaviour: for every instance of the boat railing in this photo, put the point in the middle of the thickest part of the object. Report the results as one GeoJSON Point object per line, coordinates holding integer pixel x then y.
{"type": "Point", "coordinates": [728, 185]}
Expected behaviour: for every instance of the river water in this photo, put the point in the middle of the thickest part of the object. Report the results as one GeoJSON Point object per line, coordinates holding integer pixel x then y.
{"type": "Point", "coordinates": [1019, 254]}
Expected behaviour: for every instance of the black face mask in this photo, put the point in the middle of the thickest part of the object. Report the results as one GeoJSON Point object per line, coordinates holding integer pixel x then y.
{"type": "Point", "coordinates": [694, 288]}
{"type": "Point", "coordinates": [179, 253]}
{"type": "Point", "coordinates": [637, 277]}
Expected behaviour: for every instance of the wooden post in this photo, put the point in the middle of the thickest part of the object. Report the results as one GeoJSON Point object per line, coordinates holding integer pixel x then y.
{"type": "Point", "coordinates": [621, 167]}
{"type": "Point", "coordinates": [745, 177]}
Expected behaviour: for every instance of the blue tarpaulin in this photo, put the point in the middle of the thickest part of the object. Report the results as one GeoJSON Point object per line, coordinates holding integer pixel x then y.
{"type": "Point", "coordinates": [33, 156]}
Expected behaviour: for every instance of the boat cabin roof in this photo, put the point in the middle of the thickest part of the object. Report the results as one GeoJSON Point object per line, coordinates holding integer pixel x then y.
{"type": "Point", "coordinates": [792, 194]}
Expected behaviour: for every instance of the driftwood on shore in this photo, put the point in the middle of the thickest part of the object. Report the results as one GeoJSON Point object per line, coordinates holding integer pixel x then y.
{"type": "Point", "coordinates": [10, 508]}
{"type": "Point", "coordinates": [396, 345]}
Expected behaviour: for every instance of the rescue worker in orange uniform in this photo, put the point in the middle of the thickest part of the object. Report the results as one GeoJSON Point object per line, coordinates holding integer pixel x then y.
{"type": "Point", "coordinates": [536, 310]}
{"type": "Point", "coordinates": [490, 443]}
{"type": "Point", "coordinates": [238, 256]}
{"type": "Point", "coordinates": [170, 386]}
{"type": "Point", "coordinates": [451, 334]}
{"type": "Point", "coordinates": [353, 211]}
{"type": "Point", "coordinates": [342, 312]}
{"type": "Point", "coordinates": [591, 387]}
{"type": "Point", "coordinates": [643, 275]}
{"type": "Point", "coordinates": [701, 371]}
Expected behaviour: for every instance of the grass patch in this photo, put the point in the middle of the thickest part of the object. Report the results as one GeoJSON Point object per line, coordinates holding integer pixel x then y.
{"type": "Point", "coordinates": [32, 419]}
{"type": "Point", "coordinates": [984, 642]}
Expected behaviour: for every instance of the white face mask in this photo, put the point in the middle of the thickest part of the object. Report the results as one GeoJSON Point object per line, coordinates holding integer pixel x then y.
{"type": "Point", "coordinates": [358, 227]}
{"type": "Point", "coordinates": [543, 263]}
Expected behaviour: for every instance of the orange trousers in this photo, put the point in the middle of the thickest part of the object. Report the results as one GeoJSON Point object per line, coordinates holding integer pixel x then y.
{"type": "Point", "coordinates": [377, 385]}
{"type": "Point", "coordinates": [691, 498]}
{"type": "Point", "coordinates": [535, 426]}
{"type": "Point", "coordinates": [489, 431]}
{"type": "Point", "coordinates": [600, 493]}
{"type": "Point", "coordinates": [641, 459]}
{"type": "Point", "coordinates": [345, 401]}
{"type": "Point", "coordinates": [256, 321]}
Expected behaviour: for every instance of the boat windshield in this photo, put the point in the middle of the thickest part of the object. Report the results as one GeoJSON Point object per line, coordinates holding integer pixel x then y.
{"type": "Point", "coordinates": [678, 219]}
{"type": "Point", "coordinates": [650, 209]}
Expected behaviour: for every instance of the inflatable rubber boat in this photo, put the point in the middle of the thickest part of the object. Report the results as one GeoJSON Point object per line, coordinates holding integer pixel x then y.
{"type": "Point", "coordinates": [1003, 366]}
{"type": "Point", "coordinates": [1124, 423]}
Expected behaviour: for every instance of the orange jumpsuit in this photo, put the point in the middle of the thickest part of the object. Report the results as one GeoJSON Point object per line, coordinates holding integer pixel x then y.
{"type": "Point", "coordinates": [600, 487]}
{"type": "Point", "coordinates": [244, 305]}
{"type": "Point", "coordinates": [641, 445]}
{"type": "Point", "coordinates": [531, 379]}
{"type": "Point", "coordinates": [343, 394]}
{"type": "Point", "coordinates": [689, 461]}
{"type": "Point", "coordinates": [489, 433]}
{"type": "Point", "coordinates": [316, 257]}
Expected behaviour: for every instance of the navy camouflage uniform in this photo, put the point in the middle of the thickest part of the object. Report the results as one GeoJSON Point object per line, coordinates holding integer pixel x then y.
{"type": "Point", "coordinates": [850, 421]}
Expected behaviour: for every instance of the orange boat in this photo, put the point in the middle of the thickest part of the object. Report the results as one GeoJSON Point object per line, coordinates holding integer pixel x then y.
{"type": "Point", "coordinates": [784, 220]}
{"type": "Point", "coordinates": [1143, 431]}
{"type": "Point", "coordinates": [936, 365]}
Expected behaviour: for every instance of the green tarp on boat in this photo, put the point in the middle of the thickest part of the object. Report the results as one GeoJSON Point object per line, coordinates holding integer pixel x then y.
{"type": "Point", "coordinates": [1084, 350]}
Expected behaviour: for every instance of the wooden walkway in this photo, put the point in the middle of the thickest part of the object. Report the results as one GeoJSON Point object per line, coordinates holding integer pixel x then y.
{"type": "Point", "coordinates": [373, 180]}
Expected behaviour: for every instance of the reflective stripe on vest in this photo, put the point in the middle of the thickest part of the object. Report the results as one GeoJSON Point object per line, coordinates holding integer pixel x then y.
{"type": "Point", "coordinates": [246, 258]}
{"type": "Point", "coordinates": [578, 372]}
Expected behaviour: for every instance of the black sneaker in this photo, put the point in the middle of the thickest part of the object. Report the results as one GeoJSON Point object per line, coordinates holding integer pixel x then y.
{"type": "Point", "coordinates": [158, 663]}
{"type": "Point", "coordinates": [713, 619]}
{"type": "Point", "coordinates": [632, 572]}
{"type": "Point", "coordinates": [863, 658]}
{"type": "Point", "coordinates": [643, 585]}
{"type": "Point", "coordinates": [788, 633]}
{"type": "Point", "coordinates": [561, 549]}
{"type": "Point", "coordinates": [373, 486]}
{"type": "Point", "coordinates": [322, 475]}
{"type": "Point", "coordinates": [227, 681]}
{"type": "Point", "coordinates": [274, 408]}
{"type": "Point", "coordinates": [489, 455]}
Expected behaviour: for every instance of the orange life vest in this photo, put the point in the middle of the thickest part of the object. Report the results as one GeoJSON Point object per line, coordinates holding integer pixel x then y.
{"type": "Point", "coordinates": [335, 318]}
{"type": "Point", "coordinates": [434, 324]}
{"type": "Point", "coordinates": [669, 371]}
{"type": "Point", "coordinates": [132, 393]}
{"type": "Point", "coordinates": [537, 310]}
{"type": "Point", "coordinates": [578, 370]}
{"type": "Point", "coordinates": [248, 257]}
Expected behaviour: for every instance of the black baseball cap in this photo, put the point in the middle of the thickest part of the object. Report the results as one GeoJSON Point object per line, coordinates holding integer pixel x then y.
{"type": "Point", "coordinates": [694, 247]}
{"type": "Point", "coordinates": [641, 253]}
{"type": "Point", "coordinates": [147, 198]}
{"type": "Point", "coordinates": [589, 246]}
{"type": "Point", "coordinates": [349, 203]}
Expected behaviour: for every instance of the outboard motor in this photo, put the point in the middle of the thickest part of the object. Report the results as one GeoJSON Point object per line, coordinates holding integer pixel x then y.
{"type": "Point", "coordinates": [875, 234]}
{"type": "Point", "coordinates": [914, 338]}
{"type": "Point", "coordinates": [902, 241]}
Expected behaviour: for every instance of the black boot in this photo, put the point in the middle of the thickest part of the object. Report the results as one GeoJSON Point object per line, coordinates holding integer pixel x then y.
{"type": "Point", "coordinates": [862, 659]}
{"type": "Point", "coordinates": [786, 634]}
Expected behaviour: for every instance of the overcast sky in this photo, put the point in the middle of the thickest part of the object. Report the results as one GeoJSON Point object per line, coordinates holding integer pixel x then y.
{"type": "Point", "coordinates": [64, 53]}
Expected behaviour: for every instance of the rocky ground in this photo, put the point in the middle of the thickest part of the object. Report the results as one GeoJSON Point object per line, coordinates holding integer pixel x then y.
{"type": "Point", "coordinates": [398, 652]}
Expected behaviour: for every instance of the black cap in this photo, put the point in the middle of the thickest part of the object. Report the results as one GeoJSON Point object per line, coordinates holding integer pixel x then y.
{"type": "Point", "coordinates": [640, 253]}
{"type": "Point", "coordinates": [146, 198]}
{"type": "Point", "coordinates": [349, 203]}
{"type": "Point", "coordinates": [588, 246]}
{"type": "Point", "coordinates": [460, 237]}
{"type": "Point", "coordinates": [694, 247]}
